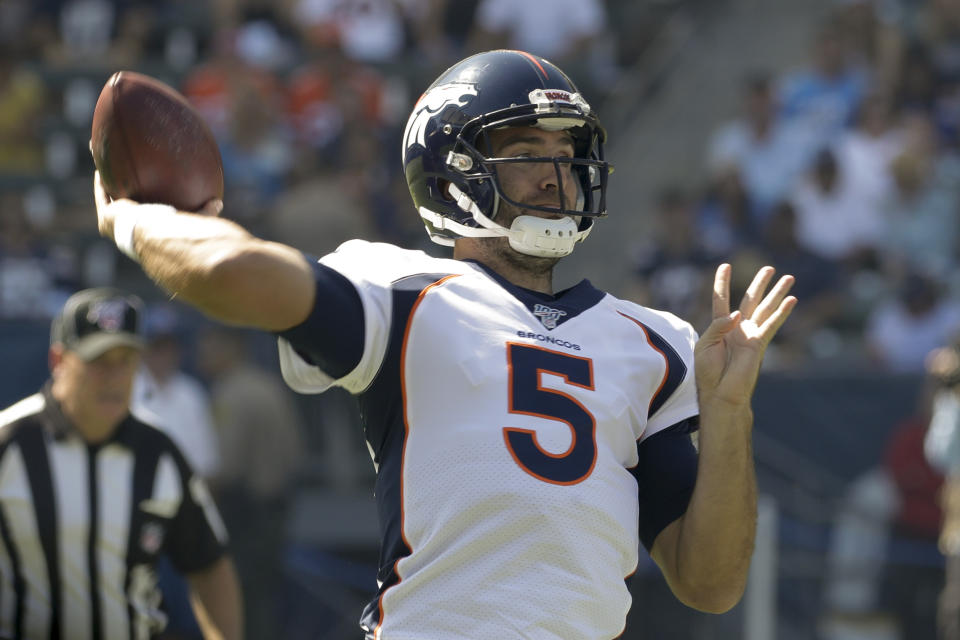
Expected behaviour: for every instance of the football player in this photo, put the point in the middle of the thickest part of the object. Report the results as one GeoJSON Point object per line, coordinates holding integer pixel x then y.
{"type": "Point", "coordinates": [526, 440]}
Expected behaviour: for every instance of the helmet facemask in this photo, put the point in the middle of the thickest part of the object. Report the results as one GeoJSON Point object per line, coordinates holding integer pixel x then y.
{"type": "Point", "coordinates": [452, 171]}
{"type": "Point", "coordinates": [482, 190]}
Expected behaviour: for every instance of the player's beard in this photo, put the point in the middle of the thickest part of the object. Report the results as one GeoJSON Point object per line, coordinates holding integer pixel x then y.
{"type": "Point", "coordinates": [499, 248]}
{"type": "Point", "coordinates": [534, 265]}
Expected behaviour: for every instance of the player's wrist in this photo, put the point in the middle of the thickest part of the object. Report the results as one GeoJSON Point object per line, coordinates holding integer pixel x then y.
{"type": "Point", "coordinates": [126, 220]}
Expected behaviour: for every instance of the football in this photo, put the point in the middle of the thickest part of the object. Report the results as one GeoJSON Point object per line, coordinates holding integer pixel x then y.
{"type": "Point", "coordinates": [150, 145]}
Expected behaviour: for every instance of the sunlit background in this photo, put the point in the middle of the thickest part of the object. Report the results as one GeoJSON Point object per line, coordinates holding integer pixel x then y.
{"type": "Point", "coordinates": [818, 136]}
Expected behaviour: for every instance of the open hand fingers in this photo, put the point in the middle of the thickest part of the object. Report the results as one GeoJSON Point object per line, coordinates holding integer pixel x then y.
{"type": "Point", "coordinates": [755, 291]}
{"type": "Point", "coordinates": [773, 299]}
{"type": "Point", "coordinates": [721, 291]}
{"type": "Point", "coordinates": [772, 324]}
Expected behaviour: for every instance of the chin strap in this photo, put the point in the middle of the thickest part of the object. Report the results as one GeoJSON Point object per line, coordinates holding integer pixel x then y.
{"type": "Point", "coordinates": [545, 237]}
{"type": "Point", "coordinates": [529, 235]}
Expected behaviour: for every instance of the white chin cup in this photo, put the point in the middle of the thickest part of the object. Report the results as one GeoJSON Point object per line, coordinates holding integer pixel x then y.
{"type": "Point", "coordinates": [543, 237]}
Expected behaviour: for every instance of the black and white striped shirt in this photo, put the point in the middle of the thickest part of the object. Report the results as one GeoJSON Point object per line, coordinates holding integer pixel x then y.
{"type": "Point", "coordinates": [81, 525]}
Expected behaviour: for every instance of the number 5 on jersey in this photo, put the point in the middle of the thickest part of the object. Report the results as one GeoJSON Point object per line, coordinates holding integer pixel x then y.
{"type": "Point", "coordinates": [528, 397]}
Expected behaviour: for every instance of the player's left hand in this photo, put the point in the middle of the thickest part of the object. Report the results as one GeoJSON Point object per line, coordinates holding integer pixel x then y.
{"type": "Point", "coordinates": [728, 355]}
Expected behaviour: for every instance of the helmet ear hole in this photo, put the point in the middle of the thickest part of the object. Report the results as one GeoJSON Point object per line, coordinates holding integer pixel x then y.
{"type": "Point", "coordinates": [444, 186]}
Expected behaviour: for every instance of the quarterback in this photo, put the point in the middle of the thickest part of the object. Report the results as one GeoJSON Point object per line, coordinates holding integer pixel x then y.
{"type": "Point", "coordinates": [527, 441]}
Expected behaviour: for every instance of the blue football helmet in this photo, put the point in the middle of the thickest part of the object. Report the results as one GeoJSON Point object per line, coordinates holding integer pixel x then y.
{"type": "Point", "coordinates": [447, 154]}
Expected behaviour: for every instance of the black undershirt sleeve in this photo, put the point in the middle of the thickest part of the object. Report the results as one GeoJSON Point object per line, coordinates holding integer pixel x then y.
{"type": "Point", "coordinates": [332, 336]}
{"type": "Point", "coordinates": [666, 472]}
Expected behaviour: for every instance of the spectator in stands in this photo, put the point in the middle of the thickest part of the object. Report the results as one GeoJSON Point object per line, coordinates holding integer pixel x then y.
{"type": "Point", "coordinates": [824, 97]}
{"type": "Point", "coordinates": [22, 103]}
{"type": "Point", "coordinates": [264, 40]}
{"type": "Point", "coordinates": [258, 468]}
{"type": "Point", "coordinates": [942, 447]}
{"type": "Point", "coordinates": [457, 20]}
{"type": "Point", "coordinates": [179, 402]}
{"type": "Point", "coordinates": [27, 288]}
{"type": "Point", "coordinates": [257, 150]}
{"type": "Point", "coordinates": [324, 95]}
{"type": "Point", "coordinates": [318, 197]}
{"type": "Point", "coordinates": [725, 215]}
{"type": "Point", "coordinates": [922, 223]}
{"type": "Point", "coordinates": [372, 31]}
{"type": "Point", "coordinates": [914, 569]}
{"type": "Point", "coordinates": [872, 32]}
{"type": "Point", "coordinates": [917, 83]}
{"type": "Point", "coordinates": [768, 153]}
{"type": "Point", "coordinates": [819, 282]}
{"type": "Point", "coordinates": [830, 223]}
{"type": "Point", "coordinates": [112, 33]}
{"type": "Point", "coordinates": [938, 27]}
{"type": "Point", "coordinates": [910, 324]}
{"type": "Point", "coordinates": [559, 30]}
{"type": "Point", "coordinates": [672, 267]}
{"type": "Point", "coordinates": [568, 32]}
{"type": "Point", "coordinates": [213, 86]}
{"type": "Point", "coordinates": [864, 154]}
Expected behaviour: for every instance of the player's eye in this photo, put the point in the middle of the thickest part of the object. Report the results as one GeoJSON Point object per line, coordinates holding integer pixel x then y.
{"type": "Point", "coordinates": [521, 153]}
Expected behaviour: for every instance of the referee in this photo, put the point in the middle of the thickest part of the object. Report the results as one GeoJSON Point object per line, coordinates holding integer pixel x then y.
{"type": "Point", "coordinates": [90, 495]}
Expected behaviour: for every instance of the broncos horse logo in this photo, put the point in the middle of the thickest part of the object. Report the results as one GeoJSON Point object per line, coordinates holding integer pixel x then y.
{"type": "Point", "coordinates": [430, 104]}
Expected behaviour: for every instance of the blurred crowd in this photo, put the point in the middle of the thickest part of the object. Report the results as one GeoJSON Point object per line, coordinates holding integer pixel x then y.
{"type": "Point", "coordinates": [307, 100]}
{"type": "Point", "coordinates": [844, 171]}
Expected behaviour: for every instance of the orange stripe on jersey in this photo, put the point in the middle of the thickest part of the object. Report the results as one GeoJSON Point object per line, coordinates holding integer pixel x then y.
{"type": "Point", "coordinates": [406, 431]}
{"type": "Point", "coordinates": [666, 360]}
{"type": "Point", "coordinates": [535, 62]}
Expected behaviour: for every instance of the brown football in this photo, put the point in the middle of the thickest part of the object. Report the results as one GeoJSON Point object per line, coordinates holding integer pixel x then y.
{"type": "Point", "coordinates": [150, 145]}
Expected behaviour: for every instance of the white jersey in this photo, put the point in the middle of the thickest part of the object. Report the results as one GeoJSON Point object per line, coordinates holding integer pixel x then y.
{"type": "Point", "coordinates": [504, 424]}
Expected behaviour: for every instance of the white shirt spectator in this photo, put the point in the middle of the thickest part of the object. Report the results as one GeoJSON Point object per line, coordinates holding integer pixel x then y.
{"type": "Point", "coordinates": [369, 30]}
{"type": "Point", "coordinates": [866, 160]}
{"type": "Point", "coordinates": [544, 27]}
{"type": "Point", "coordinates": [769, 166]}
{"type": "Point", "coordinates": [834, 224]}
{"type": "Point", "coordinates": [864, 163]}
{"type": "Point", "coordinates": [922, 225]}
{"type": "Point", "coordinates": [902, 340]}
{"type": "Point", "coordinates": [182, 409]}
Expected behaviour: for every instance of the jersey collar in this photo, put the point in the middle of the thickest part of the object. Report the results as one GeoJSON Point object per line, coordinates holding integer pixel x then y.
{"type": "Point", "coordinates": [561, 306]}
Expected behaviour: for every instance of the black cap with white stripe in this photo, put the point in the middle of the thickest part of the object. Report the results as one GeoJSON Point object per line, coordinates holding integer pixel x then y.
{"type": "Point", "coordinates": [95, 320]}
